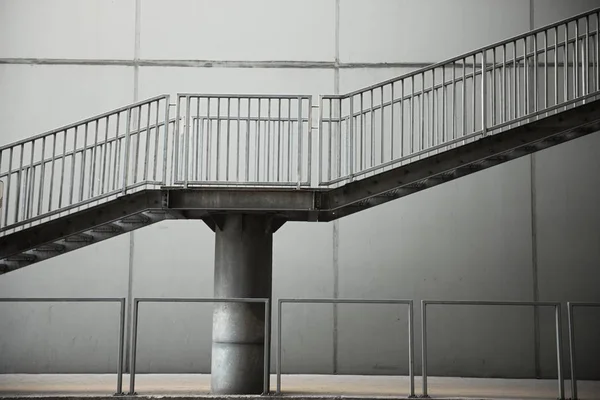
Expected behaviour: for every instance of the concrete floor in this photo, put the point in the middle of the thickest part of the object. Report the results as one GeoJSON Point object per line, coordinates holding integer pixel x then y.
{"type": "Point", "coordinates": [297, 386]}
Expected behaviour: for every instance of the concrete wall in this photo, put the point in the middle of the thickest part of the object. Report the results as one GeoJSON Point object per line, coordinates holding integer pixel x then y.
{"type": "Point", "coordinates": [526, 230]}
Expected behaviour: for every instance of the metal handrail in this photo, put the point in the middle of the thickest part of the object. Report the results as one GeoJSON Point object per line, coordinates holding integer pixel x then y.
{"type": "Point", "coordinates": [372, 128]}
{"type": "Point", "coordinates": [571, 321]}
{"type": "Point", "coordinates": [120, 300]}
{"type": "Point", "coordinates": [409, 303]}
{"type": "Point", "coordinates": [249, 140]}
{"type": "Point", "coordinates": [558, 320]}
{"type": "Point", "coordinates": [102, 156]}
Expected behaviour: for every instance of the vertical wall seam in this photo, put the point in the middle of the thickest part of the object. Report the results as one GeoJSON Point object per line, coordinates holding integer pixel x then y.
{"type": "Point", "coordinates": [534, 252]}
{"type": "Point", "coordinates": [336, 227]}
{"type": "Point", "coordinates": [136, 74]}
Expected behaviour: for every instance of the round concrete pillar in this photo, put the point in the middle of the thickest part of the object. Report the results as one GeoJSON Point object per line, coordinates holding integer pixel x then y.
{"type": "Point", "coordinates": [243, 268]}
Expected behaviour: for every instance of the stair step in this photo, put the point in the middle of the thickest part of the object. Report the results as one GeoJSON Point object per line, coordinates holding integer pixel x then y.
{"type": "Point", "coordinates": [80, 238]}
{"type": "Point", "coordinates": [108, 228]}
{"type": "Point", "coordinates": [136, 219]}
{"type": "Point", "coordinates": [52, 247]}
{"type": "Point", "coordinates": [25, 257]}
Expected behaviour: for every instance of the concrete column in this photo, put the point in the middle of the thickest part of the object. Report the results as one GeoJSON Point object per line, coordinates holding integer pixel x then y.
{"type": "Point", "coordinates": [243, 268]}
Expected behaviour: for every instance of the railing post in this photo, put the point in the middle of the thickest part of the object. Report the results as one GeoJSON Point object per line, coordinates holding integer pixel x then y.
{"type": "Point", "coordinates": [186, 153]}
{"type": "Point", "coordinates": [424, 346]}
{"type": "Point", "coordinates": [121, 346]}
{"type": "Point", "coordinates": [126, 156]}
{"type": "Point", "coordinates": [279, 347]}
{"type": "Point", "coordinates": [561, 382]}
{"type": "Point", "coordinates": [351, 140]}
{"type": "Point", "coordinates": [320, 139]}
{"type": "Point", "coordinates": [411, 349]}
{"type": "Point", "coordinates": [132, 356]}
{"type": "Point", "coordinates": [267, 362]}
{"type": "Point", "coordinates": [300, 130]}
{"type": "Point", "coordinates": [571, 322]}
{"type": "Point", "coordinates": [175, 156]}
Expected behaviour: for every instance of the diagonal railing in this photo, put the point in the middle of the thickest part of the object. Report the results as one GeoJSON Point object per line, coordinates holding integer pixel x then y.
{"type": "Point", "coordinates": [266, 140]}
{"type": "Point", "coordinates": [459, 100]}
{"type": "Point", "coordinates": [78, 165]}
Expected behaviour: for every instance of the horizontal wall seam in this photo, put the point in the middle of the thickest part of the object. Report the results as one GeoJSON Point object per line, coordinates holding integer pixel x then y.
{"type": "Point", "coordinates": [209, 63]}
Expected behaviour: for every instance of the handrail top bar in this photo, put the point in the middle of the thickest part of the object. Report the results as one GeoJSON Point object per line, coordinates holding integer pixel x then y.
{"type": "Point", "coordinates": [348, 301]}
{"type": "Point", "coordinates": [199, 300]}
{"type": "Point", "coordinates": [464, 55]}
{"type": "Point", "coordinates": [582, 304]}
{"type": "Point", "coordinates": [61, 299]}
{"type": "Point", "coordinates": [245, 96]}
{"type": "Point", "coordinates": [491, 303]}
{"type": "Point", "coordinates": [84, 121]}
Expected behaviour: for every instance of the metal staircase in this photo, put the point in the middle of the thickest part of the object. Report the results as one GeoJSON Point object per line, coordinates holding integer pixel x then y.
{"type": "Point", "coordinates": [207, 155]}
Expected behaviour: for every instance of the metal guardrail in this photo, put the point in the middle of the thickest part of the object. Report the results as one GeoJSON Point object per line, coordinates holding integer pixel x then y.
{"type": "Point", "coordinates": [137, 301]}
{"type": "Point", "coordinates": [411, 357]}
{"type": "Point", "coordinates": [570, 316]}
{"type": "Point", "coordinates": [85, 162]}
{"type": "Point", "coordinates": [120, 300]}
{"type": "Point", "coordinates": [243, 140]}
{"type": "Point", "coordinates": [459, 100]}
{"type": "Point", "coordinates": [558, 320]}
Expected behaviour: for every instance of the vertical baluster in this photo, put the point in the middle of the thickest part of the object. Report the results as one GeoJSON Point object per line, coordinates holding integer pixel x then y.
{"type": "Point", "coordinates": [586, 85]}
{"type": "Point", "coordinates": [156, 139]}
{"type": "Point", "coordinates": [8, 178]}
{"type": "Point", "coordinates": [392, 104]}
{"type": "Point", "coordinates": [73, 158]}
{"type": "Point", "coordinates": [566, 65]}
{"type": "Point", "coordinates": [200, 144]}
{"type": "Point", "coordinates": [218, 153]}
{"type": "Point", "coordinates": [555, 65]}
{"type": "Point", "coordinates": [443, 130]}
{"type": "Point", "coordinates": [138, 137]}
{"type": "Point", "coordinates": [30, 189]}
{"type": "Point", "coordinates": [402, 118]}
{"type": "Point", "coordinates": [147, 148]}
{"type": "Point", "coordinates": [258, 142]}
{"type": "Point", "coordinates": [62, 168]}
{"type": "Point", "coordinates": [432, 135]}
{"type": "Point", "coordinates": [268, 144]}
{"type": "Point", "coordinates": [239, 140]}
{"type": "Point", "coordinates": [545, 70]}
{"type": "Point", "coordinates": [42, 176]}
{"type": "Point", "coordinates": [535, 74]}
{"type": "Point", "coordinates": [93, 163]}
{"type": "Point", "coordinates": [503, 101]}
{"type": "Point", "coordinates": [382, 124]}
{"type": "Point", "coordinates": [464, 97]}
{"type": "Point", "coordinates": [279, 137]}
{"type": "Point", "coordinates": [412, 116]}
{"type": "Point", "coordinates": [372, 163]}
{"type": "Point", "coordinates": [248, 142]}
{"type": "Point", "coordinates": [208, 139]}
{"type": "Point", "coordinates": [227, 138]}
{"type": "Point", "coordinates": [576, 60]}
{"type": "Point", "coordinates": [117, 148]}
{"type": "Point", "coordinates": [300, 134]}
{"type": "Point", "coordinates": [597, 60]}
{"type": "Point", "coordinates": [19, 187]}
